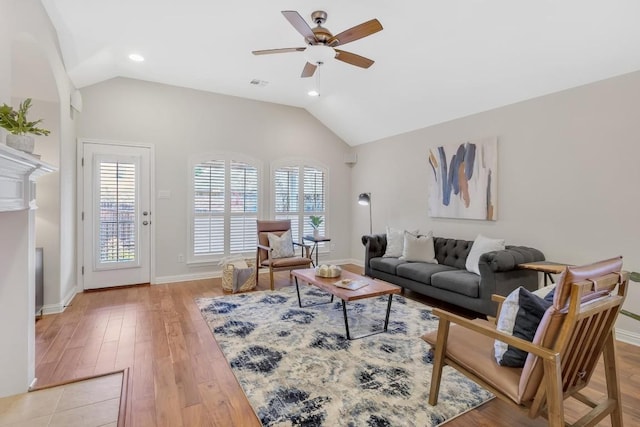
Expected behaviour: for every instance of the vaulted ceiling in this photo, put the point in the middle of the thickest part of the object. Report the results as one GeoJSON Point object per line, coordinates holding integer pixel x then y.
{"type": "Point", "coordinates": [435, 60]}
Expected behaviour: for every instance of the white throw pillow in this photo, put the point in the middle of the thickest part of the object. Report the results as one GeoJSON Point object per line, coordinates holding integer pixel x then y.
{"type": "Point", "coordinates": [419, 248]}
{"type": "Point", "coordinates": [282, 245]}
{"type": "Point", "coordinates": [395, 242]}
{"type": "Point", "coordinates": [481, 246]}
{"type": "Point", "coordinates": [506, 321]}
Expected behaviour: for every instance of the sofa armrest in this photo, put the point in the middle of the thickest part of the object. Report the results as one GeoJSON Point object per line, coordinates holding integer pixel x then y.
{"type": "Point", "coordinates": [499, 273]}
{"type": "Point", "coordinates": [375, 246]}
{"type": "Point", "coordinates": [509, 258]}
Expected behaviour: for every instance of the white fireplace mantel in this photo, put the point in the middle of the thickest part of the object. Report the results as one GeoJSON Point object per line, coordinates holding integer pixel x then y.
{"type": "Point", "coordinates": [18, 173]}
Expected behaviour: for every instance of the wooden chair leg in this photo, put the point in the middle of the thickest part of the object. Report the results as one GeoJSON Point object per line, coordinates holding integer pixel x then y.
{"type": "Point", "coordinates": [438, 362]}
{"type": "Point", "coordinates": [271, 278]}
{"type": "Point", "coordinates": [555, 398]}
{"type": "Point", "coordinates": [611, 376]}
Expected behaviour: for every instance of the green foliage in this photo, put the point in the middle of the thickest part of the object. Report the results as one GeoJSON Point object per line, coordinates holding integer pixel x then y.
{"type": "Point", "coordinates": [315, 221]}
{"type": "Point", "coordinates": [16, 122]}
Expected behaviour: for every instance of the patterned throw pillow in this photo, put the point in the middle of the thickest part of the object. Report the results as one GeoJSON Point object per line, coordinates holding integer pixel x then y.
{"type": "Point", "coordinates": [282, 245]}
{"type": "Point", "coordinates": [520, 316]}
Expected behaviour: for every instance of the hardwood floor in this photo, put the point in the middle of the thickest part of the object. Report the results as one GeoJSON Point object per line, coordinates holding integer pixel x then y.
{"type": "Point", "coordinates": [179, 376]}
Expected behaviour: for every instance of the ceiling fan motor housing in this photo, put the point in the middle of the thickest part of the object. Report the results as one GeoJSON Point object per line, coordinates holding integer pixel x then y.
{"type": "Point", "coordinates": [322, 34]}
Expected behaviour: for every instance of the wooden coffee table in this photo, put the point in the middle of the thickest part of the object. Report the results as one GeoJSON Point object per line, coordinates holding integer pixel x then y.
{"type": "Point", "coordinates": [373, 289]}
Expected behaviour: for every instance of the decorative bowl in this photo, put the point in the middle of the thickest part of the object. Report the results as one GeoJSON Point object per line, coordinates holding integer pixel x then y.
{"type": "Point", "coordinates": [328, 271]}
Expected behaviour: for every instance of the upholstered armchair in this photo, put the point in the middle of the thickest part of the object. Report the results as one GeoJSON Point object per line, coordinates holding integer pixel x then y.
{"type": "Point", "coordinates": [574, 332]}
{"type": "Point", "coordinates": [275, 259]}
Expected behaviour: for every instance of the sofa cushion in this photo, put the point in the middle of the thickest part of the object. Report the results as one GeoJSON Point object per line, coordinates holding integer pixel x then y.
{"type": "Point", "coordinates": [420, 271]}
{"type": "Point", "coordinates": [458, 281]}
{"type": "Point", "coordinates": [388, 265]}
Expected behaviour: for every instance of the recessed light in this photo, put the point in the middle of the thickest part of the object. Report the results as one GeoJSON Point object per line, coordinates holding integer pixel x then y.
{"type": "Point", "coordinates": [136, 57]}
{"type": "Point", "coordinates": [313, 93]}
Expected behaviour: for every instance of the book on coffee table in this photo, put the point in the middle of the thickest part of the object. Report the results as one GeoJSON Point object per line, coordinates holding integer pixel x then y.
{"type": "Point", "coordinates": [351, 284]}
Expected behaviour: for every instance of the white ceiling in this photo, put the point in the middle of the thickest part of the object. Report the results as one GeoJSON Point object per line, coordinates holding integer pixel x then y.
{"type": "Point", "coordinates": [436, 60]}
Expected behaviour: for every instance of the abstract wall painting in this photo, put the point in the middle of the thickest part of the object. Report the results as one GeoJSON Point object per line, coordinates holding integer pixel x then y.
{"type": "Point", "coordinates": [464, 179]}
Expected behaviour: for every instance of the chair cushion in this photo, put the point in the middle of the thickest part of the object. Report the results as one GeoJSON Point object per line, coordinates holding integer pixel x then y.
{"type": "Point", "coordinates": [473, 351]}
{"type": "Point", "coordinates": [420, 271]}
{"type": "Point", "coordinates": [576, 274]}
{"type": "Point", "coordinates": [388, 265]}
{"type": "Point", "coordinates": [295, 261]}
{"type": "Point", "coordinates": [281, 245]}
{"type": "Point", "coordinates": [458, 281]}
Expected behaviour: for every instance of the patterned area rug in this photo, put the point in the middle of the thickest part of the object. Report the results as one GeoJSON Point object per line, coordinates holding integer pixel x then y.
{"type": "Point", "coordinates": [297, 368]}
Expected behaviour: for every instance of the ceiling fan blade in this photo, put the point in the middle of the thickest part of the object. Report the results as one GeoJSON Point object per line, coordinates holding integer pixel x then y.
{"type": "Point", "coordinates": [359, 31]}
{"type": "Point", "coordinates": [353, 59]}
{"type": "Point", "coordinates": [284, 50]}
{"type": "Point", "coordinates": [300, 25]}
{"type": "Point", "coordinates": [308, 70]}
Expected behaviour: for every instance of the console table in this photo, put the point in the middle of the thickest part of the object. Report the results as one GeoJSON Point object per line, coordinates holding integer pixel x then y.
{"type": "Point", "coordinates": [546, 267]}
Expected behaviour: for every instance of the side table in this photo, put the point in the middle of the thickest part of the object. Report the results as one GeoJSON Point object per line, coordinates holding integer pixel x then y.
{"type": "Point", "coordinates": [546, 267]}
{"type": "Point", "coordinates": [314, 248]}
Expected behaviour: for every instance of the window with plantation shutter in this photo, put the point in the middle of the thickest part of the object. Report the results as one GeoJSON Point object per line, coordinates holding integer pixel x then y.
{"type": "Point", "coordinates": [225, 206]}
{"type": "Point", "coordinates": [300, 191]}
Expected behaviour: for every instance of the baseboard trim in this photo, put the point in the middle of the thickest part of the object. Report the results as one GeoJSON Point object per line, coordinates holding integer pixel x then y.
{"type": "Point", "coordinates": [61, 306]}
{"type": "Point", "coordinates": [628, 337]}
{"type": "Point", "coordinates": [163, 280]}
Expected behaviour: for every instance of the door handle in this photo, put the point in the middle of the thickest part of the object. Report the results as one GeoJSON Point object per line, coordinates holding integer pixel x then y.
{"type": "Point", "coordinates": [145, 222]}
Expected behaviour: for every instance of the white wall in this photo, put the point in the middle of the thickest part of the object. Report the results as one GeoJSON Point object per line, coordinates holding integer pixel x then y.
{"type": "Point", "coordinates": [568, 177]}
{"type": "Point", "coordinates": [26, 20]}
{"type": "Point", "coordinates": [181, 122]}
{"type": "Point", "coordinates": [48, 202]}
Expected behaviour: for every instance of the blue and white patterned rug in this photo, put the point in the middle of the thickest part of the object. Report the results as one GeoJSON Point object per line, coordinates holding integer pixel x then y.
{"type": "Point", "coordinates": [297, 368]}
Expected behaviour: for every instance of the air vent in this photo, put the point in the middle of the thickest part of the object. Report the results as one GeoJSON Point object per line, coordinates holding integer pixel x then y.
{"type": "Point", "coordinates": [258, 82]}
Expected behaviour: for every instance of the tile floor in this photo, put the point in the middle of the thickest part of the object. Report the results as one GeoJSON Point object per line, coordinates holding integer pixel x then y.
{"type": "Point", "coordinates": [90, 403]}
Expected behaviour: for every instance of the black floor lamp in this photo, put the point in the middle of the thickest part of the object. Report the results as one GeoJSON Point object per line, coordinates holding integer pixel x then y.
{"type": "Point", "coordinates": [365, 199]}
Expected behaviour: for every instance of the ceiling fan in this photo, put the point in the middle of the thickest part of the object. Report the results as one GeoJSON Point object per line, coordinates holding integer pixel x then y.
{"type": "Point", "coordinates": [321, 43]}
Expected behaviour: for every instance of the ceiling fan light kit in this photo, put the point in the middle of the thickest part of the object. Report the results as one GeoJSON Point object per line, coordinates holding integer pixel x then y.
{"type": "Point", "coordinates": [321, 43]}
{"type": "Point", "coordinates": [319, 54]}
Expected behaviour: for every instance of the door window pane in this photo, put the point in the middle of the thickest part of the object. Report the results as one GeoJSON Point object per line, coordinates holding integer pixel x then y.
{"type": "Point", "coordinates": [117, 212]}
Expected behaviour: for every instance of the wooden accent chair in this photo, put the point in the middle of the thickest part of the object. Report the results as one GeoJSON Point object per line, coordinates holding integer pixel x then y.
{"type": "Point", "coordinates": [263, 253]}
{"type": "Point", "coordinates": [573, 333]}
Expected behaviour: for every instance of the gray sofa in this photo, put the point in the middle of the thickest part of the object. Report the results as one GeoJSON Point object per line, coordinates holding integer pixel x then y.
{"type": "Point", "coordinates": [449, 280]}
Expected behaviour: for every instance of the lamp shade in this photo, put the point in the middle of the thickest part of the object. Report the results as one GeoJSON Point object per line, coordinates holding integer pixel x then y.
{"type": "Point", "coordinates": [364, 199]}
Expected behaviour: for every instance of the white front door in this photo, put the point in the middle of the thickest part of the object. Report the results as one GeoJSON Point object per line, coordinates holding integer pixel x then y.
{"type": "Point", "coordinates": [117, 219]}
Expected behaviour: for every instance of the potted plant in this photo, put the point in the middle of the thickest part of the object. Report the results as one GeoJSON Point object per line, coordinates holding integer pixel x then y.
{"type": "Point", "coordinates": [316, 221]}
{"type": "Point", "coordinates": [19, 127]}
